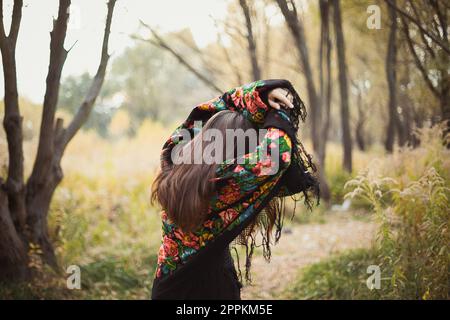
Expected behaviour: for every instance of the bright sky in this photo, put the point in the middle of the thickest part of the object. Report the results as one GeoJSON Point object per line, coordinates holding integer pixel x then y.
{"type": "Point", "coordinates": [86, 29]}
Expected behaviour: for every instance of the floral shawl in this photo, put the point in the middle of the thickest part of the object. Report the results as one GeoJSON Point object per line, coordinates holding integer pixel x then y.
{"type": "Point", "coordinates": [242, 189]}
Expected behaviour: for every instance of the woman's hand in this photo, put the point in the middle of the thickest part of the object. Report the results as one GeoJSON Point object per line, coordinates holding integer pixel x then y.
{"type": "Point", "coordinates": [280, 97]}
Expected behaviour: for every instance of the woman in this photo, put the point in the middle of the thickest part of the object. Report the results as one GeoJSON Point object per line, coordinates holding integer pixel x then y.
{"type": "Point", "coordinates": [206, 204]}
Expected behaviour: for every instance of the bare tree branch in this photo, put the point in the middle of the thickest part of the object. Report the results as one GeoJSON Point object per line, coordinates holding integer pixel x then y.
{"type": "Point", "coordinates": [419, 25]}
{"type": "Point", "coordinates": [441, 17]}
{"type": "Point", "coordinates": [200, 54]}
{"type": "Point", "coordinates": [58, 55]}
{"type": "Point", "coordinates": [422, 35]}
{"type": "Point", "coordinates": [234, 27]}
{"type": "Point", "coordinates": [12, 121]}
{"type": "Point", "coordinates": [417, 61]}
{"type": "Point", "coordinates": [256, 72]}
{"type": "Point", "coordinates": [15, 22]}
{"type": "Point", "coordinates": [2, 27]}
{"type": "Point", "coordinates": [234, 67]}
{"type": "Point", "coordinates": [16, 18]}
{"type": "Point", "coordinates": [162, 44]}
{"type": "Point", "coordinates": [94, 90]}
{"type": "Point", "coordinates": [325, 82]}
{"type": "Point", "coordinates": [297, 30]}
{"type": "Point", "coordinates": [267, 43]}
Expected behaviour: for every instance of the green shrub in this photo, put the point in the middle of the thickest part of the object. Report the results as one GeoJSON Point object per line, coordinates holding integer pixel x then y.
{"type": "Point", "coordinates": [116, 278]}
{"type": "Point", "coordinates": [409, 193]}
{"type": "Point", "coordinates": [340, 277]}
{"type": "Point", "coordinates": [337, 182]}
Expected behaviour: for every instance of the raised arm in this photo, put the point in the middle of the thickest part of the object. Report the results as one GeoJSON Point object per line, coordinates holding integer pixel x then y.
{"type": "Point", "coordinates": [253, 100]}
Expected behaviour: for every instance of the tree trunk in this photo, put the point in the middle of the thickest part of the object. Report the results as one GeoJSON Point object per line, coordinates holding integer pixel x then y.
{"type": "Point", "coordinates": [343, 87]}
{"type": "Point", "coordinates": [295, 25]}
{"type": "Point", "coordinates": [359, 130]}
{"type": "Point", "coordinates": [445, 96]}
{"type": "Point", "coordinates": [296, 28]}
{"type": "Point", "coordinates": [24, 208]}
{"type": "Point", "coordinates": [325, 92]}
{"type": "Point", "coordinates": [13, 246]}
{"type": "Point", "coordinates": [38, 204]}
{"type": "Point", "coordinates": [256, 72]}
{"type": "Point", "coordinates": [40, 185]}
{"type": "Point", "coordinates": [391, 74]}
{"type": "Point", "coordinates": [13, 251]}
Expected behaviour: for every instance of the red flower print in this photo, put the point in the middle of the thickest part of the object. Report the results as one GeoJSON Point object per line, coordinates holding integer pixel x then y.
{"type": "Point", "coordinates": [257, 168]}
{"type": "Point", "coordinates": [286, 156]}
{"type": "Point", "coordinates": [267, 162]}
{"type": "Point", "coordinates": [228, 215]}
{"type": "Point", "coordinates": [237, 97]}
{"type": "Point", "coordinates": [189, 239]}
{"type": "Point", "coordinates": [208, 224]}
{"type": "Point", "coordinates": [161, 254]}
{"type": "Point", "coordinates": [250, 104]}
{"type": "Point", "coordinates": [272, 145]}
{"type": "Point", "coordinates": [179, 234]}
{"type": "Point", "coordinates": [230, 192]}
{"type": "Point", "coordinates": [274, 134]}
{"type": "Point", "coordinates": [204, 238]}
{"type": "Point", "coordinates": [257, 101]}
{"type": "Point", "coordinates": [170, 247]}
{"type": "Point", "coordinates": [208, 105]}
{"type": "Point", "coordinates": [269, 169]}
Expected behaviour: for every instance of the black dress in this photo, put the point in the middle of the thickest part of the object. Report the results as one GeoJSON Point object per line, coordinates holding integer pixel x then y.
{"type": "Point", "coordinates": [216, 280]}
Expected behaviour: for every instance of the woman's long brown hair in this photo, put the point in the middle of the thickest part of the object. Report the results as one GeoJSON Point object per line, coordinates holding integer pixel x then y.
{"type": "Point", "coordinates": [184, 190]}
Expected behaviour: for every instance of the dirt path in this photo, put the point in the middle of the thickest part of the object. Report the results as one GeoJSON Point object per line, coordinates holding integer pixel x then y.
{"type": "Point", "coordinates": [302, 245]}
